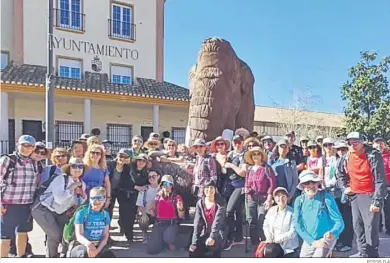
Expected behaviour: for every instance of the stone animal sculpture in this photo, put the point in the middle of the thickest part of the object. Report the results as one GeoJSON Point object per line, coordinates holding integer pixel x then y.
{"type": "Point", "coordinates": [221, 92]}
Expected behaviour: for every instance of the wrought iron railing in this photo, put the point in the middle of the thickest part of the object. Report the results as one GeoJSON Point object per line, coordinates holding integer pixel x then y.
{"type": "Point", "coordinates": [121, 30]}
{"type": "Point", "coordinates": [68, 19]}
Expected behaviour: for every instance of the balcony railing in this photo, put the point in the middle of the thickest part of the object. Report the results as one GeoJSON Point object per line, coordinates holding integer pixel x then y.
{"type": "Point", "coordinates": [121, 30]}
{"type": "Point", "coordinates": [69, 20]}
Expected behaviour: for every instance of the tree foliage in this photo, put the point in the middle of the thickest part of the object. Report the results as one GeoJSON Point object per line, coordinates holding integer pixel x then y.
{"type": "Point", "coordinates": [368, 97]}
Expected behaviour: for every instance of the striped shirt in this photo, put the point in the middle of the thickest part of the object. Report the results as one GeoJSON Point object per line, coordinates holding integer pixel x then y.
{"type": "Point", "coordinates": [21, 183]}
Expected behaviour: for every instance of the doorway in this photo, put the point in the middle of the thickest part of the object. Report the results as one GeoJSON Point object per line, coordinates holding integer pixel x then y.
{"type": "Point", "coordinates": [33, 128]}
{"type": "Point", "coordinates": [145, 131]}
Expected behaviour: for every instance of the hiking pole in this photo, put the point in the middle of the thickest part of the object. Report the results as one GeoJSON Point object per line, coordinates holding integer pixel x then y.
{"type": "Point", "coordinates": [246, 222]}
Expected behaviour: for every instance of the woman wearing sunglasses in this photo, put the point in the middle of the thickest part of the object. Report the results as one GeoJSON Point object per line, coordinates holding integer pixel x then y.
{"type": "Point", "coordinates": [144, 201]}
{"type": "Point", "coordinates": [55, 205]}
{"type": "Point", "coordinates": [117, 168]}
{"type": "Point", "coordinates": [130, 185]}
{"type": "Point", "coordinates": [168, 209]}
{"type": "Point", "coordinates": [92, 225]}
{"type": "Point", "coordinates": [208, 224]}
{"type": "Point", "coordinates": [59, 158]}
{"type": "Point", "coordinates": [98, 174]}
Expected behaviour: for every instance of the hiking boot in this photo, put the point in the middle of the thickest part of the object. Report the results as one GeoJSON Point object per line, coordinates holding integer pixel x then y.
{"type": "Point", "coordinates": [358, 255]}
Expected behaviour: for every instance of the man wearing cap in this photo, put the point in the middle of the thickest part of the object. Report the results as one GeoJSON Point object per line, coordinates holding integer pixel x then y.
{"type": "Point", "coordinates": [269, 146]}
{"type": "Point", "coordinates": [295, 152]}
{"type": "Point", "coordinates": [362, 175]}
{"type": "Point", "coordinates": [380, 145]}
{"type": "Point", "coordinates": [317, 219]}
{"type": "Point", "coordinates": [18, 180]}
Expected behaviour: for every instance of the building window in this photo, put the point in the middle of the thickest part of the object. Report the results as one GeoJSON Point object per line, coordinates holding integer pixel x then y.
{"type": "Point", "coordinates": [119, 135]}
{"type": "Point", "coordinates": [4, 60]}
{"type": "Point", "coordinates": [69, 68]}
{"type": "Point", "coordinates": [179, 134]}
{"type": "Point", "coordinates": [121, 22]}
{"type": "Point", "coordinates": [121, 75]}
{"type": "Point", "coordinates": [67, 131]}
{"type": "Point", "coordinates": [69, 15]}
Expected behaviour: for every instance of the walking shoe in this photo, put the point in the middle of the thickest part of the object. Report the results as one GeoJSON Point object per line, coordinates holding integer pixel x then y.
{"type": "Point", "coordinates": [228, 245]}
{"type": "Point", "coordinates": [343, 248]}
{"type": "Point", "coordinates": [358, 255]}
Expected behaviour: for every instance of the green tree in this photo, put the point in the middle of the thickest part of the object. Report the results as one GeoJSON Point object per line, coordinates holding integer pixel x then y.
{"type": "Point", "coordinates": [367, 95]}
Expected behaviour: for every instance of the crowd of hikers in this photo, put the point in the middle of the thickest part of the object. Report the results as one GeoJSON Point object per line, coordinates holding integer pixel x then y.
{"type": "Point", "coordinates": [305, 198]}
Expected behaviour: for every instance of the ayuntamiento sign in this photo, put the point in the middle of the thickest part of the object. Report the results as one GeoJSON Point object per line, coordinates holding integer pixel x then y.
{"type": "Point", "coordinates": [93, 48]}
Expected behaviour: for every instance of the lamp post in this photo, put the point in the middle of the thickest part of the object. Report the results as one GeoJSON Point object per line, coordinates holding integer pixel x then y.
{"type": "Point", "coordinates": [49, 96]}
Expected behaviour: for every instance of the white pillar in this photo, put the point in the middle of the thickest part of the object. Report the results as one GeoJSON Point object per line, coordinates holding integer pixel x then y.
{"type": "Point", "coordinates": [87, 115]}
{"type": "Point", "coordinates": [156, 118]}
{"type": "Point", "coordinates": [4, 144]}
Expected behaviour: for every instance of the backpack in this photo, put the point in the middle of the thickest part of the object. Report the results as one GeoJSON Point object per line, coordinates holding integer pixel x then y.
{"type": "Point", "coordinates": [43, 187]}
{"type": "Point", "coordinates": [68, 233]}
{"type": "Point", "coordinates": [10, 171]}
{"type": "Point", "coordinates": [322, 199]}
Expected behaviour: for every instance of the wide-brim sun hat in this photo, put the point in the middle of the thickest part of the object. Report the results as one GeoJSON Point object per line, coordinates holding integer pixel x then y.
{"type": "Point", "coordinates": [66, 168]}
{"type": "Point", "coordinates": [327, 141]}
{"type": "Point", "coordinates": [149, 141]}
{"type": "Point", "coordinates": [213, 146]}
{"type": "Point", "coordinates": [142, 156]}
{"type": "Point", "coordinates": [243, 132]}
{"type": "Point", "coordinates": [307, 176]}
{"type": "Point", "coordinates": [199, 142]}
{"type": "Point", "coordinates": [340, 144]}
{"type": "Point", "coordinates": [312, 144]}
{"type": "Point", "coordinates": [282, 142]}
{"type": "Point", "coordinates": [249, 153]}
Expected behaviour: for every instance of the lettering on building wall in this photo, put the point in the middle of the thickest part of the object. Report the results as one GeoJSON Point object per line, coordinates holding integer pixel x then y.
{"type": "Point", "coordinates": [95, 49]}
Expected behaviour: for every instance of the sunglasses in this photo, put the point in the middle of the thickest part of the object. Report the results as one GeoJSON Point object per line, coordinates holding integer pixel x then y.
{"type": "Point", "coordinates": [220, 144]}
{"type": "Point", "coordinates": [95, 153]}
{"type": "Point", "coordinates": [267, 142]}
{"type": "Point", "coordinates": [123, 156]}
{"type": "Point", "coordinates": [141, 160]}
{"type": "Point", "coordinates": [353, 142]}
{"type": "Point", "coordinates": [237, 142]}
{"type": "Point", "coordinates": [25, 145]}
{"type": "Point", "coordinates": [77, 166]}
{"type": "Point", "coordinates": [152, 176]}
{"type": "Point", "coordinates": [251, 145]}
{"type": "Point", "coordinates": [98, 198]}
{"type": "Point", "coordinates": [60, 156]}
{"type": "Point", "coordinates": [171, 145]}
{"type": "Point", "coordinates": [167, 184]}
{"type": "Point", "coordinates": [256, 154]}
{"type": "Point", "coordinates": [198, 146]}
{"type": "Point", "coordinates": [311, 147]}
{"type": "Point", "coordinates": [137, 141]}
{"type": "Point", "coordinates": [328, 145]}
{"type": "Point", "coordinates": [152, 144]}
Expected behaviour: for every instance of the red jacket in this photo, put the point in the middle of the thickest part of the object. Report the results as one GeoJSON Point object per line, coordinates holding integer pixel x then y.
{"type": "Point", "coordinates": [386, 162]}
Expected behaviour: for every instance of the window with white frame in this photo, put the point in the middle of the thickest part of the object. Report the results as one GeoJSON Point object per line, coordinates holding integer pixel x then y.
{"type": "Point", "coordinates": [121, 25]}
{"type": "Point", "coordinates": [69, 14]}
{"type": "Point", "coordinates": [4, 60]}
{"type": "Point", "coordinates": [121, 75]}
{"type": "Point", "coordinates": [179, 134]}
{"type": "Point", "coordinates": [69, 68]}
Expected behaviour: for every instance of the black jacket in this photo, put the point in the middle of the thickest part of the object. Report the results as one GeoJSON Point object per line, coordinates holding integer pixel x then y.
{"type": "Point", "coordinates": [132, 177]}
{"type": "Point", "coordinates": [200, 223]}
{"type": "Point", "coordinates": [125, 172]}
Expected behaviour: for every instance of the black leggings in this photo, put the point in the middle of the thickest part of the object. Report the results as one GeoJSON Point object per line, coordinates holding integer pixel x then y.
{"type": "Point", "coordinates": [203, 251]}
{"type": "Point", "coordinates": [127, 212]}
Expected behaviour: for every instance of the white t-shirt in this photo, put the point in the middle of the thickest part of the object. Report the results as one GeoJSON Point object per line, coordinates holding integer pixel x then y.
{"type": "Point", "coordinates": [150, 195]}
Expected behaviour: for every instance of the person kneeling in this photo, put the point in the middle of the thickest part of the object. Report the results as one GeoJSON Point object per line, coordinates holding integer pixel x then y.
{"type": "Point", "coordinates": [92, 225]}
{"type": "Point", "coordinates": [208, 224]}
{"type": "Point", "coordinates": [168, 209]}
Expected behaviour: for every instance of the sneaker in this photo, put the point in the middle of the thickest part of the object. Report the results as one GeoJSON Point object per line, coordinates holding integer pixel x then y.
{"type": "Point", "coordinates": [228, 245]}
{"type": "Point", "coordinates": [343, 248]}
{"type": "Point", "coordinates": [358, 255]}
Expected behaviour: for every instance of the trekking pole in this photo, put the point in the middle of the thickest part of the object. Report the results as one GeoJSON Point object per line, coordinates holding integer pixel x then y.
{"type": "Point", "coordinates": [246, 222]}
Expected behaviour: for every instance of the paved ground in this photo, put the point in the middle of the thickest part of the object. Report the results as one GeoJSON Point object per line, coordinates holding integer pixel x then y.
{"type": "Point", "coordinates": [138, 250]}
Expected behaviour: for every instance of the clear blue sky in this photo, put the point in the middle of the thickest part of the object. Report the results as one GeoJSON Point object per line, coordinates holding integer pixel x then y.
{"type": "Point", "coordinates": [290, 45]}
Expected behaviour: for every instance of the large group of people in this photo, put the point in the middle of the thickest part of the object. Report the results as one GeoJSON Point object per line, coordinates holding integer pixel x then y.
{"type": "Point", "coordinates": [305, 198]}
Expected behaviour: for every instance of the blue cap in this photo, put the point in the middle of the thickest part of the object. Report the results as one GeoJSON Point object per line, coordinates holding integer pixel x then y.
{"type": "Point", "coordinates": [26, 139]}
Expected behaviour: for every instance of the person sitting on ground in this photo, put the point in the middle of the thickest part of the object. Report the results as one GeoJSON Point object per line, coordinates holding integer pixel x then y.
{"type": "Point", "coordinates": [56, 205]}
{"type": "Point", "coordinates": [317, 219]}
{"type": "Point", "coordinates": [92, 225]}
{"type": "Point", "coordinates": [209, 222]}
{"type": "Point", "coordinates": [144, 201]}
{"type": "Point", "coordinates": [279, 224]}
{"type": "Point", "coordinates": [168, 209]}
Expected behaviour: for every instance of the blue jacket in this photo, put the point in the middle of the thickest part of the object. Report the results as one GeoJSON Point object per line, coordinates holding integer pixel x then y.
{"type": "Point", "coordinates": [314, 217]}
